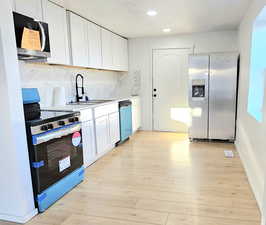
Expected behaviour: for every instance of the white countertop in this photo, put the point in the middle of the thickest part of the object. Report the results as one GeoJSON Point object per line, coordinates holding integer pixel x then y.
{"type": "Point", "coordinates": [83, 107]}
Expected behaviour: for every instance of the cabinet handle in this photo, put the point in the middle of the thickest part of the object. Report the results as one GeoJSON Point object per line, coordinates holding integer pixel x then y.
{"type": "Point", "coordinates": [154, 95]}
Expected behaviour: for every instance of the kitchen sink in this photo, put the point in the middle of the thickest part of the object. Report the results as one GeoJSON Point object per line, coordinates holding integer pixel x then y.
{"type": "Point", "coordinates": [90, 102]}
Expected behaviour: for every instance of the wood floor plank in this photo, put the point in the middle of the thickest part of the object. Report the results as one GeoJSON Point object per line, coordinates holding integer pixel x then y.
{"type": "Point", "coordinates": [177, 197]}
{"type": "Point", "coordinates": [187, 189]}
{"type": "Point", "coordinates": [113, 212]}
{"type": "Point", "coordinates": [175, 219]}
{"type": "Point", "coordinates": [50, 217]}
{"type": "Point", "coordinates": [199, 210]}
{"type": "Point", "coordinates": [90, 220]}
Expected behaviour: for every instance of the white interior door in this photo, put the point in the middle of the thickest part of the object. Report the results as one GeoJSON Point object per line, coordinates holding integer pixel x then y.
{"type": "Point", "coordinates": [170, 90]}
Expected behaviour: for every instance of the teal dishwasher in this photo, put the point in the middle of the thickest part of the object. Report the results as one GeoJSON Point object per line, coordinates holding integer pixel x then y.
{"type": "Point", "coordinates": [125, 111]}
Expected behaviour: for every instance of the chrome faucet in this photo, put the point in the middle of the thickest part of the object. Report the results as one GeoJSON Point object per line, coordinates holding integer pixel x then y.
{"type": "Point", "coordinates": [78, 97]}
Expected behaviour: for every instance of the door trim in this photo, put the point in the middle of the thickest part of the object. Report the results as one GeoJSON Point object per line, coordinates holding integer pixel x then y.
{"type": "Point", "coordinates": [189, 48]}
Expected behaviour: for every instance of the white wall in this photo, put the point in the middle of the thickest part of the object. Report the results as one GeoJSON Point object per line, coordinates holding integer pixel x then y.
{"type": "Point", "coordinates": [98, 84]}
{"type": "Point", "coordinates": [16, 196]}
{"type": "Point", "coordinates": [251, 139]}
{"type": "Point", "coordinates": [140, 60]}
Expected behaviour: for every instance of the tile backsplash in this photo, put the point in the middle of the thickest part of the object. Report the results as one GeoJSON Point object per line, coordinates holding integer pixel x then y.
{"type": "Point", "coordinates": [98, 84]}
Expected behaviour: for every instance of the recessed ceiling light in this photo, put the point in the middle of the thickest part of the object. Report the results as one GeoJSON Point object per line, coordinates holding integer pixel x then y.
{"type": "Point", "coordinates": [166, 30]}
{"type": "Point", "coordinates": [151, 13]}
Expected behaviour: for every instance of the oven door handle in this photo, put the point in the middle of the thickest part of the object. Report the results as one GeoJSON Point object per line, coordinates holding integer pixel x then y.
{"type": "Point", "coordinates": [50, 135]}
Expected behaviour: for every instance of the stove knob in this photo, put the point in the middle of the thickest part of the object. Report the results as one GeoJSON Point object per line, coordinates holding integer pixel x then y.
{"type": "Point", "coordinates": [61, 123]}
{"type": "Point", "coordinates": [50, 126]}
{"type": "Point", "coordinates": [44, 128]}
{"type": "Point", "coordinates": [71, 120]}
{"type": "Point", "coordinates": [76, 119]}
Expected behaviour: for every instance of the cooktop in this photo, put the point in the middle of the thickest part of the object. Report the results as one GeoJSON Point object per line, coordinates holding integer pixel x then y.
{"type": "Point", "coordinates": [52, 116]}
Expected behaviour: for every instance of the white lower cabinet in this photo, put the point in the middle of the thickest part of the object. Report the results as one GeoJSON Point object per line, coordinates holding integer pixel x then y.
{"type": "Point", "coordinates": [102, 134]}
{"type": "Point", "coordinates": [107, 127]}
{"type": "Point", "coordinates": [89, 148]}
{"type": "Point", "coordinates": [136, 114]}
{"type": "Point", "coordinates": [114, 128]}
{"type": "Point", "coordinates": [100, 131]}
{"type": "Point", "coordinates": [88, 137]}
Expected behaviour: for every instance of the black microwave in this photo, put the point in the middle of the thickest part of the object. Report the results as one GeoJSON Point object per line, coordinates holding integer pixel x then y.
{"type": "Point", "coordinates": [21, 22]}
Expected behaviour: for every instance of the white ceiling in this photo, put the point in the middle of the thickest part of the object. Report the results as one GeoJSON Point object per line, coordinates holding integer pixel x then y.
{"type": "Point", "coordinates": [128, 17]}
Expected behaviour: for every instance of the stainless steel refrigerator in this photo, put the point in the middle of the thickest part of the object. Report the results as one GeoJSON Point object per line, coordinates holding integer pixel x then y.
{"type": "Point", "coordinates": [213, 96]}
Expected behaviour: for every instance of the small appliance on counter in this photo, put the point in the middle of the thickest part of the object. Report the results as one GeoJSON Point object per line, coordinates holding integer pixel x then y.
{"type": "Point", "coordinates": [55, 150]}
{"type": "Point", "coordinates": [125, 111]}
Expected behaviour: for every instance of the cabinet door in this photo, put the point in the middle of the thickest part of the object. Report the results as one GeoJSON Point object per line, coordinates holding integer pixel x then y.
{"type": "Point", "coordinates": [31, 8]}
{"type": "Point", "coordinates": [124, 53]}
{"type": "Point", "coordinates": [107, 49]}
{"type": "Point", "coordinates": [136, 114]}
{"type": "Point", "coordinates": [102, 134]}
{"type": "Point", "coordinates": [120, 53]}
{"type": "Point", "coordinates": [95, 48]}
{"type": "Point", "coordinates": [55, 16]}
{"type": "Point", "coordinates": [89, 148]}
{"type": "Point", "coordinates": [117, 52]}
{"type": "Point", "coordinates": [114, 128]}
{"type": "Point", "coordinates": [79, 40]}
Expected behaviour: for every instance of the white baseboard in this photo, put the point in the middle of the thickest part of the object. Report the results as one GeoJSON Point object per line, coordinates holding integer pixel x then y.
{"type": "Point", "coordinates": [254, 173]}
{"type": "Point", "coordinates": [19, 219]}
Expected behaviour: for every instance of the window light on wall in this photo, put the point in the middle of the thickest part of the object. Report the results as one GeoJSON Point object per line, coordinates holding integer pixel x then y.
{"type": "Point", "coordinates": [257, 67]}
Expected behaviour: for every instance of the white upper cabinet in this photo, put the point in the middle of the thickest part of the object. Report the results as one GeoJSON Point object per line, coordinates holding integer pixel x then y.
{"type": "Point", "coordinates": [79, 40]}
{"type": "Point", "coordinates": [117, 52]}
{"type": "Point", "coordinates": [95, 48]}
{"type": "Point", "coordinates": [124, 59]}
{"type": "Point", "coordinates": [31, 8]}
{"type": "Point", "coordinates": [55, 16]}
{"type": "Point", "coordinates": [114, 51]}
{"type": "Point", "coordinates": [120, 53]}
{"type": "Point", "coordinates": [107, 49]}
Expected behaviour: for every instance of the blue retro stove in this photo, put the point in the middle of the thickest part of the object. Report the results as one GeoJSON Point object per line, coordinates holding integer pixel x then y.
{"type": "Point", "coordinates": [55, 150]}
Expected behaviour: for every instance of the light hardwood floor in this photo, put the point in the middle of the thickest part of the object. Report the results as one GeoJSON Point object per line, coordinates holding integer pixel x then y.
{"type": "Point", "coordinates": [159, 178]}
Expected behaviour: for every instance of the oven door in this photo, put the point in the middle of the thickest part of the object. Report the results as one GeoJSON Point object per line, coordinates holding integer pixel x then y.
{"type": "Point", "coordinates": [56, 154]}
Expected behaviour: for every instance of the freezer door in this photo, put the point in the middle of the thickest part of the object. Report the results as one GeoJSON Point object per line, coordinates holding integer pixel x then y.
{"type": "Point", "coordinates": [222, 99]}
{"type": "Point", "coordinates": [198, 95]}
